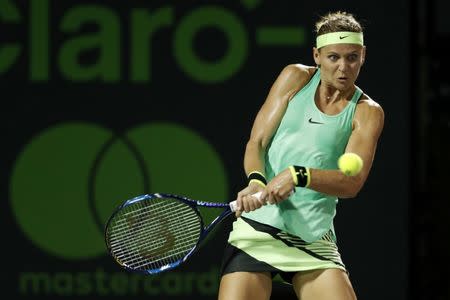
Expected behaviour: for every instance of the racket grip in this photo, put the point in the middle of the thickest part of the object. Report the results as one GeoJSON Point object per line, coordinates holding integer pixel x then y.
{"type": "Point", "coordinates": [233, 204]}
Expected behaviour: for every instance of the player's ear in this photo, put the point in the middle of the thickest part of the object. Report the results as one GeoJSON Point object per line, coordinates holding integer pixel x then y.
{"type": "Point", "coordinates": [316, 56]}
{"type": "Point", "coordinates": [363, 55]}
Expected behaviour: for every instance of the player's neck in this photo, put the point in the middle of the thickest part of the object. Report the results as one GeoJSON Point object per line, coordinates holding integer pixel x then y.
{"type": "Point", "coordinates": [329, 94]}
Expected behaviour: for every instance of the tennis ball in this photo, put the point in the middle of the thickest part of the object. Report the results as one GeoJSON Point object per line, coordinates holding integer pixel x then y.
{"type": "Point", "coordinates": [350, 164]}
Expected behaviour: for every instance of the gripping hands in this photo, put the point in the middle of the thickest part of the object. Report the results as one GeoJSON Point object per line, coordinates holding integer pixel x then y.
{"type": "Point", "coordinates": [256, 195]}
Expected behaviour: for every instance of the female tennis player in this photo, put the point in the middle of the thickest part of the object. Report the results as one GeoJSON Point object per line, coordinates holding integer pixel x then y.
{"type": "Point", "coordinates": [312, 115]}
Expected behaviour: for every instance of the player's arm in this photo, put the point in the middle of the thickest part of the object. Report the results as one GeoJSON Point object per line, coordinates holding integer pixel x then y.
{"type": "Point", "coordinates": [289, 81]}
{"type": "Point", "coordinates": [367, 126]}
{"type": "Point", "coordinates": [272, 111]}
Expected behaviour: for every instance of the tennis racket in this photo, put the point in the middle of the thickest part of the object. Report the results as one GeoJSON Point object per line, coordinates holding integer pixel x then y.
{"type": "Point", "coordinates": [157, 232]}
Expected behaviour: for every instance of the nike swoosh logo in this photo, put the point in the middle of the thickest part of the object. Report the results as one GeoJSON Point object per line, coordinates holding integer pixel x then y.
{"type": "Point", "coordinates": [343, 37]}
{"type": "Point", "coordinates": [313, 122]}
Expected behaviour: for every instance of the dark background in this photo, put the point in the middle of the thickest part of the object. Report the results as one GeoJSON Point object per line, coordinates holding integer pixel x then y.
{"type": "Point", "coordinates": [393, 236]}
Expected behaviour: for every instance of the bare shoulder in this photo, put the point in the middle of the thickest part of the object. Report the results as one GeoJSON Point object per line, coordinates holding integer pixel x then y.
{"type": "Point", "coordinates": [298, 72]}
{"type": "Point", "coordinates": [296, 76]}
{"type": "Point", "coordinates": [367, 105]}
{"type": "Point", "coordinates": [369, 113]}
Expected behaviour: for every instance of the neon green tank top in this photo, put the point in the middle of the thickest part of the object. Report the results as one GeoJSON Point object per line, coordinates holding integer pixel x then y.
{"type": "Point", "coordinates": [306, 137]}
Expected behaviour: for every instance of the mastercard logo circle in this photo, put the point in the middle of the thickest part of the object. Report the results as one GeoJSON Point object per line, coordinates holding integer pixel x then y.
{"type": "Point", "coordinates": [70, 177]}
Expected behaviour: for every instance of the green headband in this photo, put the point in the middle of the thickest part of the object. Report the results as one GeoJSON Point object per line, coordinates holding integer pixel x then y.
{"type": "Point", "coordinates": [340, 37]}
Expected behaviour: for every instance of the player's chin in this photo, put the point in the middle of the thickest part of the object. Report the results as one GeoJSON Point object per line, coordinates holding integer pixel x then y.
{"type": "Point", "coordinates": [343, 83]}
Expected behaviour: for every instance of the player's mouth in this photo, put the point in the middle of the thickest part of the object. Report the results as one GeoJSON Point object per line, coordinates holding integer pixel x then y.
{"type": "Point", "coordinates": [342, 79]}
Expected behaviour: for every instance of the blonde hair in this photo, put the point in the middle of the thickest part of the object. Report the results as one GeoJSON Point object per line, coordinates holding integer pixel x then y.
{"type": "Point", "coordinates": [337, 21]}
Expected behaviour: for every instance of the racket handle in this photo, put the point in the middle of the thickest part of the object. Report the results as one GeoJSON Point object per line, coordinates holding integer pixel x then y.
{"type": "Point", "coordinates": [233, 204]}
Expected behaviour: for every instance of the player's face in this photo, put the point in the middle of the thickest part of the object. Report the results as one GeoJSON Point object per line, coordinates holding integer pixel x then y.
{"type": "Point", "coordinates": [340, 64]}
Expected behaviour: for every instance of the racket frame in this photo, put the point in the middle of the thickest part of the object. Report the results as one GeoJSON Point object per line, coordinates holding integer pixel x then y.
{"type": "Point", "coordinates": [229, 208]}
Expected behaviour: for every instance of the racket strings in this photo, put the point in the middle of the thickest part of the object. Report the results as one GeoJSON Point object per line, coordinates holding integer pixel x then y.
{"type": "Point", "coordinates": [156, 244]}
{"type": "Point", "coordinates": [141, 251]}
{"type": "Point", "coordinates": [152, 234]}
{"type": "Point", "coordinates": [156, 249]}
{"type": "Point", "coordinates": [125, 223]}
{"type": "Point", "coordinates": [121, 234]}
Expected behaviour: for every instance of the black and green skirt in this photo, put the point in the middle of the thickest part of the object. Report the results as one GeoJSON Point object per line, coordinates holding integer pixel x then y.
{"type": "Point", "coordinates": [256, 247]}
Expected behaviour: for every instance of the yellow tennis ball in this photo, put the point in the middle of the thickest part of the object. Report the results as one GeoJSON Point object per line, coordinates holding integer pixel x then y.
{"type": "Point", "coordinates": [350, 164]}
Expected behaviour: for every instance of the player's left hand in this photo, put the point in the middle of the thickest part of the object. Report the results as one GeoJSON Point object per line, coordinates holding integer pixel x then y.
{"type": "Point", "coordinates": [248, 201]}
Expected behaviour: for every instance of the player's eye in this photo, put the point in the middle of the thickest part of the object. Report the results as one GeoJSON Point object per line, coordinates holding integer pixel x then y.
{"type": "Point", "coordinates": [333, 57]}
{"type": "Point", "coordinates": [353, 57]}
